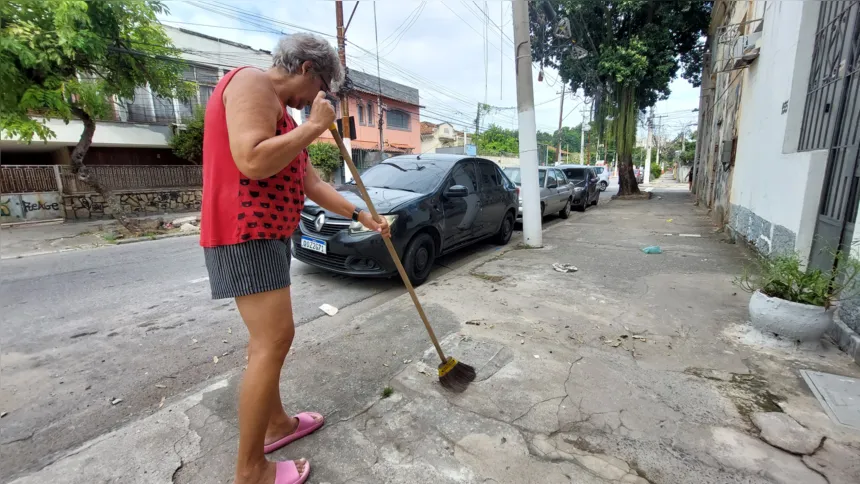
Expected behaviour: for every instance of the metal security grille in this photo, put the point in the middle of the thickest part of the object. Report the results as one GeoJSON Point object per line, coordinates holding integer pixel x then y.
{"type": "Point", "coordinates": [835, 125]}
{"type": "Point", "coordinates": [835, 39]}
{"type": "Point", "coordinates": [27, 179]}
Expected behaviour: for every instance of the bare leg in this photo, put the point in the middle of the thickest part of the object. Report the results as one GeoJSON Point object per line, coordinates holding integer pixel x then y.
{"type": "Point", "coordinates": [269, 318]}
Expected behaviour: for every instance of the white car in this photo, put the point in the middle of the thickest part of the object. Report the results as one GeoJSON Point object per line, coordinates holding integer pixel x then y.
{"type": "Point", "coordinates": [603, 176]}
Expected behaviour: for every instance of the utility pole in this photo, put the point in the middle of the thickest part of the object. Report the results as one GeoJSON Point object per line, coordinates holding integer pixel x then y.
{"type": "Point", "coordinates": [344, 100]}
{"type": "Point", "coordinates": [532, 229]}
{"type": "Point", "coordinates": [582, 137]}
{"type": "Point", "coordinates": [560, 119]}
{"type": "Point", "coordinates": [646, 177]}
{"type": "Point", "coordinates": [379, 88]}
{"type": "Point", "coordinates": [657, 136]}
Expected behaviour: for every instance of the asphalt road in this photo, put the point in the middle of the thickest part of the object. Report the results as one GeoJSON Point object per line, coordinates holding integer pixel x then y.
{"type": "Point", "coordinates": [132, 322]}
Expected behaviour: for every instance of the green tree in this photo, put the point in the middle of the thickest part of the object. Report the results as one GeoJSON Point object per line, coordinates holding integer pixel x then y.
{"type": "Point", "coordinates": [634, 48]}
{"type": "Point", "coordinates": [325, 157]}
{"type": "Point", "coordinates": [497, 140]}
{"type": "Point", "coordinates": [188, 142]}
{"type": "Point", "coordinates": [72, 58]}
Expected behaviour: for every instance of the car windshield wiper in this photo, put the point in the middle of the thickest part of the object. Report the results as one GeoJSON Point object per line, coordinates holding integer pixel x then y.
{"type": "Point", "coordinates": [396, 188]}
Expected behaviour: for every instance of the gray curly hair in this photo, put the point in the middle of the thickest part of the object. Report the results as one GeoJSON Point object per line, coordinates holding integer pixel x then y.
{"type": "Point", "coordinates": [294, 49]}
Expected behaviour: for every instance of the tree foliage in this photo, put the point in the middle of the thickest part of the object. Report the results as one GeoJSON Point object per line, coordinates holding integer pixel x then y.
{"type": "Point", "coordinates": [496, 140]}
{"type": "Point", "coordinates": [188, 142]}
{"type": "Point", "coordinates": [73, 59]}
{"type": "Point", "coordinates": [325, 157]}
{"type": "Point", "coordinates": [635, 48]}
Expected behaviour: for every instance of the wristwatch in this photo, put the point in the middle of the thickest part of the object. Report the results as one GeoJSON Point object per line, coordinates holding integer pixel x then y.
{"type": "Point", "coordinates": [355, 214]}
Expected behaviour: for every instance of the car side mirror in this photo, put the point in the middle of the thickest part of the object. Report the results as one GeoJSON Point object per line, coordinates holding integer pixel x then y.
{"type": "Point", "coordinates": [552, 184]}
{"type": "Point", "coordinates": [456, 191]}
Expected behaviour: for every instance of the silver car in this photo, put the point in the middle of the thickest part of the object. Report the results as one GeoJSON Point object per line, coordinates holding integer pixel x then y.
{"type": "Point", "coordinates": [556, 192]}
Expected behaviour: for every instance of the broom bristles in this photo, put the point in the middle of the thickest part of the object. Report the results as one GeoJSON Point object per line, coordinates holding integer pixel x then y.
{"type": "Point", "coordinates": [455, 375]}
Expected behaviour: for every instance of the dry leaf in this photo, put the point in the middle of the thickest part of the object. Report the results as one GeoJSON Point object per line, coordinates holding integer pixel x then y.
{"type": "Point", "coordinates": [160, 386]}
{"type": "Point", "coordinates": [162, 403]}
{"type": "Point", "coordinates": [215, 359]}
{"type": "Point", "coordinates": [229, 330]}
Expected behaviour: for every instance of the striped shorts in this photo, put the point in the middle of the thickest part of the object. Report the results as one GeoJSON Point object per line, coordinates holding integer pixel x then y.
{"type": "Point", "coordinates": [248, 268]}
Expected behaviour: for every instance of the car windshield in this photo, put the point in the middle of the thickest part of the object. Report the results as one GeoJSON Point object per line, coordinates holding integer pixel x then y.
{"type": "Point", "coordinates": [514, 175]}
{"type": "Point", "coordinates": [408, 175]}
{"type": "Point", "coordinates": [575, 174]}
{"type": "Point", "coordinates": [598, 169]}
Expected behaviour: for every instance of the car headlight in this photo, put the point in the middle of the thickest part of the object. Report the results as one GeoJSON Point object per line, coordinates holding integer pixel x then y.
{"type": "Point", "coordinates": [577, 189]}
{"type": "Point", "coordinates": [357, 228]}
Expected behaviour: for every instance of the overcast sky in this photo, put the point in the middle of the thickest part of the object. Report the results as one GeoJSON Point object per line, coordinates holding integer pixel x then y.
{"type": "Point", "coordinates": [436, 46]}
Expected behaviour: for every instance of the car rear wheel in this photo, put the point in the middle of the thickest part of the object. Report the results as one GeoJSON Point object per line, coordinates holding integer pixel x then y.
{"type": "Point", "coordinates": [603, 186]}
{"type": "Point", "coordinates": [419, 257]}
{"type": "Point", "coordinates": [583, 204]}
{"type": "Point", "coordinates": [506, 230]}
{"type": "Point", "coordinates": [565, 212]}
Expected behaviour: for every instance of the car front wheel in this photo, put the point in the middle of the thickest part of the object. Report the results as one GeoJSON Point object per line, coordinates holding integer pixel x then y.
{"type": "Point", "coordinates": [603, 186]}
{"type": "Point", "coordinates": [419, 257]}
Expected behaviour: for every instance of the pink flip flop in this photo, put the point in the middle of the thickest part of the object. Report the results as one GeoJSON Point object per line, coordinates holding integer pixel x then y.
{"type": "Point", "coordinates": [287, 473]}
{"type": "Point", "coordinates": [307, 425]}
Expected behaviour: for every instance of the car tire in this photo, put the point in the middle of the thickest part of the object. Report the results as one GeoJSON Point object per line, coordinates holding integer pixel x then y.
{"type": "Point", "coordinates": [419, 258]}
{"type": "Point", "coordinates": [583, 204]}
{"type": "Point", "coordinates": [603, 186]}
{"type": "Point", "coordinates": [506, 230]}
{"type": "Point", "coordinates": [565, 212]}
{"type": "Point", "coordinates": [542, 210]}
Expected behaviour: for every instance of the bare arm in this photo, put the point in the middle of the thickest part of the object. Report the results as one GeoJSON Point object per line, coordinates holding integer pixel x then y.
{"type": "Point", "coordinates": [253, 112]}
{"type": "Point", "coordinates": [328, 198]}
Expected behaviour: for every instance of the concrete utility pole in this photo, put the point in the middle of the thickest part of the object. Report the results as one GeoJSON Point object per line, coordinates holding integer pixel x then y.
{"type": "Point", "coordinates": [379, 89]}
{"type": "Point", "coordinates": [560, 119]}
{"type": "Point", "coordinates": [532, 223]}
{"type": "Point", "coordinates": [646, 177]}
{"type": "Point", "coordinates": [582, 137]}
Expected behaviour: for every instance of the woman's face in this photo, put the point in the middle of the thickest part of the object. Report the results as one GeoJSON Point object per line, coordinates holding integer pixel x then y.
{"type": "Point", "coordinates": [310, 83]}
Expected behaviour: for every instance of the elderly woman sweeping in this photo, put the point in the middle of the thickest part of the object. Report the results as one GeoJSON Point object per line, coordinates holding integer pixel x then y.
{"type": "Point", "coordinates": [256, 175]}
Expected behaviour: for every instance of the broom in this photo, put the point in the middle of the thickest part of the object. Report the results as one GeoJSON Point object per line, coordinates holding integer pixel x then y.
{"type": "Point", "coordinates": [453, 375]}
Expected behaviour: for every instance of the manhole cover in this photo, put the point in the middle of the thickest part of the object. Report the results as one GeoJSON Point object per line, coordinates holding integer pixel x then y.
{"type": "Point", "coordinates": [839, 395]}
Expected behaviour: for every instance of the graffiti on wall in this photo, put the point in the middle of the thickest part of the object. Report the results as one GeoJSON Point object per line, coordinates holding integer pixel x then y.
{"type": "Point", "coordinates": [28, 207]}
{"type": "Point", "coordinates": [93, 206]}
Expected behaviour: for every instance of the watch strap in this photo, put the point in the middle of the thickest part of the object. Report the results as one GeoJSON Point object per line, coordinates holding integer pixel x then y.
{"type": "Point", "coordinates": [355, 214]}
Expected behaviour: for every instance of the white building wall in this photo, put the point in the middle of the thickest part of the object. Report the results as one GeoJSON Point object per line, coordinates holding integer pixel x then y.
{"type": "Point", "coordinates": [776, 189]}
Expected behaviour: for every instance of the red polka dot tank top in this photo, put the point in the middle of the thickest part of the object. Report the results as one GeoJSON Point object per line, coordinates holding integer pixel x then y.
{"type": "Point", "coordinates": [236, 208]}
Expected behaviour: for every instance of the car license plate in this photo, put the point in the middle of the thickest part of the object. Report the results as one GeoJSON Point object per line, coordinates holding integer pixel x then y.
{"type": "Point", "coordinates": [315, 245]}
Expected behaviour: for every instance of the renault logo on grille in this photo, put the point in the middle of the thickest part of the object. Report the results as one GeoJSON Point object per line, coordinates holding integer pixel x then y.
{"type": "Point", "coordinates": [319, 222]}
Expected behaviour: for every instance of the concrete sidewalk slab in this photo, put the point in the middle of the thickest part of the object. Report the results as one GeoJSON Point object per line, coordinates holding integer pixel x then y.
{"type": "Point", "coordinates": [623, 372]}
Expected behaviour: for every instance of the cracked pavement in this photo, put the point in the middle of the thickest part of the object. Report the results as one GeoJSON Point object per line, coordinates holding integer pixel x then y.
{"type": "Point", "coordinates": [556, 399]}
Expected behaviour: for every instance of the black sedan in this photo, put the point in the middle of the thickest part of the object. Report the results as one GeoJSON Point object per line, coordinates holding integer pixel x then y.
{"type": "Point", "coordinates": [434, 203]}
{"type": "Point", "coordinates": [586, 185]}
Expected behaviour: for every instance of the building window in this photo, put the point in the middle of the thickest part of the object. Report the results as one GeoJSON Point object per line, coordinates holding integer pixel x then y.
{"type": "Point", "coordinates": [360, 114]}
{"type": "Point", "coordinates": [397, 119]}
{"type": "Point", "coordinates": [371, 115]}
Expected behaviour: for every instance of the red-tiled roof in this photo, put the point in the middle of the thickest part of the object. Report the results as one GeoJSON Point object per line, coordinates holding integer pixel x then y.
{"type": "Point", "coordinates": [428, 128]}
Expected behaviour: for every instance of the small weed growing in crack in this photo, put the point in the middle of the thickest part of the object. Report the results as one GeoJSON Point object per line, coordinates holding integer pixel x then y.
{"type": "Point", "coordinates": [109, 237]}
{"type": "Point", "coordinates": [522, 246]}
{"type": "Point", "coordinates": [387, 392]}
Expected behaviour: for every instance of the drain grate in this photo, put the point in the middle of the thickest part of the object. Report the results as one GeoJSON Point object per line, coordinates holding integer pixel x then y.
{"type": "Point", "coordinates": [839, 395]}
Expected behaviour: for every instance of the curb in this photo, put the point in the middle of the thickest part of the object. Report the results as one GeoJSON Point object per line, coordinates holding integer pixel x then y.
{"type": "Point", "coordinates": [845, 338]}
{"type": "Point", "coordinates": [155, 237]}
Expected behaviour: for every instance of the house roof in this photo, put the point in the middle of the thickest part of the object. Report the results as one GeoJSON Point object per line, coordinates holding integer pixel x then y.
{"type": "Point", "coordinates": [390, 89]}
{"type": "Point", "coordinates": [428, 127]}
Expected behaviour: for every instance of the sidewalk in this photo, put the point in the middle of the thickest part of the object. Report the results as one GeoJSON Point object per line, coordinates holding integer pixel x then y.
{"type": "Point", "coordinates": [630, 370]}
{"type": "Point", "coordinates": [35, 239]}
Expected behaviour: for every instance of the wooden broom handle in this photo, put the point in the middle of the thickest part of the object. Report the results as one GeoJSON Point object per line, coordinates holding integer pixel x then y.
{"type": "Point", "coordinates": [387, 240]}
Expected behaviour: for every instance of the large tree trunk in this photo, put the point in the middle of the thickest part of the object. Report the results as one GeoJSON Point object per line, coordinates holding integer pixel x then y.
{"type": "Point", "coordinates": [88, 176]}
{"type": "Point", "coordinates": [625, 139]}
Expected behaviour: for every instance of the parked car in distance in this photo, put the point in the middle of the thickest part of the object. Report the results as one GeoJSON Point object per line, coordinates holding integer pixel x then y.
{"type": "Point", "coordinates": [586, 185]}
{"type": "Point", "coordinates": [434, 203]}
{"type": "Point", "coordinates": [602, 173]}
{"type": "Point", "coordinates": [556, 192]}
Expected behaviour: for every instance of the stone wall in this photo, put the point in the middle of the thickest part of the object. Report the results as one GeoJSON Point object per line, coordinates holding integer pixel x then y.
{"type": "Point", "coordinates": [767, 238]}
{"type": "Point", "coordinates": [92, 205]}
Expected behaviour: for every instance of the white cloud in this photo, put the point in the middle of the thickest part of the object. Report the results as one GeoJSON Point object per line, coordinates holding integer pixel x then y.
{"type": "Point", "coordinates": [440, 54]}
